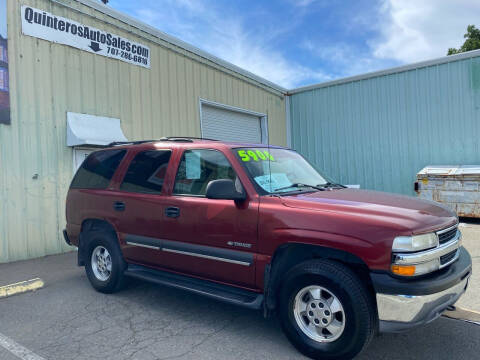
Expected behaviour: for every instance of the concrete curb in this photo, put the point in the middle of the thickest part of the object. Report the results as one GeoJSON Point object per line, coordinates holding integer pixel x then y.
{"type": "Point", "coordinates": [463, 314]}
{"type": "Point", "coordinates": [21, 287]}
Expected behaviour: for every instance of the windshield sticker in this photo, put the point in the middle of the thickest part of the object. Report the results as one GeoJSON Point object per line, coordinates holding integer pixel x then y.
{"type": "Point", "coordinates": [192, 164]}
{"type": "Point", "coordinates": [273, 181]}
{"type": "Point", "coordinates": [255, 155]}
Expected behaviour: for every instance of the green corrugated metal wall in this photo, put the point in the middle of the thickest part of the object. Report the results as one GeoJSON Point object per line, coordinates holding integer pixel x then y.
{"type": "Point", "coordinates": [380, 131]}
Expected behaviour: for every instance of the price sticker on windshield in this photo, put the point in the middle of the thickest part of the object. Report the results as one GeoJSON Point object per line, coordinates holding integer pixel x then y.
{"type": "Point", "coordinates": [255, 155]}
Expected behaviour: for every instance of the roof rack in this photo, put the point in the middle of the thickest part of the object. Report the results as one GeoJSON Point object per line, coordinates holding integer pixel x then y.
{"type": "Point", "coordinates": [184, 138]}
{"type": "Point", "coordinates": [165, 138]}
{"type": "Point", "coordinates": [120, 143]}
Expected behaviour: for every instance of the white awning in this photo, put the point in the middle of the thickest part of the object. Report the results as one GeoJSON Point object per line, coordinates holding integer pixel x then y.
{"type": "Point", "coordinates": [83, 129]}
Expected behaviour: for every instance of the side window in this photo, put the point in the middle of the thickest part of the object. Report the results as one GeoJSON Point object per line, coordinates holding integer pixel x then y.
{"type": "Point", "coordinates": [198, 167]}
{"type": "Point", "coordinates": [97, 169]}
{"type": "Point", "coordinates": [146, 172]}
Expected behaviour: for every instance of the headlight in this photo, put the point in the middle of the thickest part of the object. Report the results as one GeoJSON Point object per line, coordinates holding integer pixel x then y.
{"type": "Point", "coordinates": [415, 243]}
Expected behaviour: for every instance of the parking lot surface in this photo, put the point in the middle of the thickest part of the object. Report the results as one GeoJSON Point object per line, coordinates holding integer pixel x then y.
{"type": "Point", "coordinates": [67, 319]}
{"type": "Point", "coordinates": [471, 240]}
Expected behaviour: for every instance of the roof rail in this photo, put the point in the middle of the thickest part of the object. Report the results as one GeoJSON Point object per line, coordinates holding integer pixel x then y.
{"type": "Point", "coordinates": [120, 143]}
{"type": "Point", "coordinates": [184, 138]}
{"type": "Point", "coordinates": [165, 138]}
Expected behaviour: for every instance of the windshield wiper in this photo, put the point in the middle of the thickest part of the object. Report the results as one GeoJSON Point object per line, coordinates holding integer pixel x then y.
{"type": "Point", "coordinates": [330, 185]}
{"type": "Point", "coordinates": [300, 185]}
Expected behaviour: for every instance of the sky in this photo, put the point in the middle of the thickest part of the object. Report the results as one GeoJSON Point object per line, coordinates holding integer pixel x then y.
{"type": "Point", "coordinates": [3, 18]}
{"type": "Point", "coordinates": [295, 43]}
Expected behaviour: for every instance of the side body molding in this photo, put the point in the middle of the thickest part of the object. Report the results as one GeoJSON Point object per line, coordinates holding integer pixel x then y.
{"type": "Point", "coordinates": [202, 251]}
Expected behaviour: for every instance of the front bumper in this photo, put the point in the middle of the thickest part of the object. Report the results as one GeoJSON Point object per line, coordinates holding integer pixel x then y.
{"type": "Point", "coordinates": [403, 304]}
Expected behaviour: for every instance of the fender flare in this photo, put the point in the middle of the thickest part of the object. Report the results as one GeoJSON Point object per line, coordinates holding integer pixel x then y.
{"type": "Point", "coordinates": [92, 224]}
{"type": "Point", "coordinates": [290, 254]}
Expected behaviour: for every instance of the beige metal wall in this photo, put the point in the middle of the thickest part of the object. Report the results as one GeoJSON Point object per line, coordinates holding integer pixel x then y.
{"type": "Point", "coordinates": [47, 80]}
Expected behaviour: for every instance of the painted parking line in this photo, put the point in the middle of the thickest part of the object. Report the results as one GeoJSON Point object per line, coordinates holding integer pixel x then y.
{"type": "Point", "coordinates": [21, 287]}
{"type": "Point", "coordinates": [18, 350]}
{"type": "Point", "coordinates": [458, 313]}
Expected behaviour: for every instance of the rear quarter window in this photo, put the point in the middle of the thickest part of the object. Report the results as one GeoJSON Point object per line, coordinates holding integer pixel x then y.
{"type": "Point", "coordinates": [97, 170]}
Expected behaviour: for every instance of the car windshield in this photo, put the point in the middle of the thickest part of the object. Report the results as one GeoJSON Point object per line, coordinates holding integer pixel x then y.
{"type": "Point", "coordinates": [276, 171]}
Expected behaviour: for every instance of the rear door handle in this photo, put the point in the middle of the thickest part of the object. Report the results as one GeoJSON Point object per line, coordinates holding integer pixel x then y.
{"type": "Point", "coordinates": [119, 206]}
{"type": "Point", "coordinates": [172, 212]}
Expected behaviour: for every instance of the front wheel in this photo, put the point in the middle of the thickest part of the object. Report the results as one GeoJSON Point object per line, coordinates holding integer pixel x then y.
{"type": "Point", "coordinates": [325, 310]}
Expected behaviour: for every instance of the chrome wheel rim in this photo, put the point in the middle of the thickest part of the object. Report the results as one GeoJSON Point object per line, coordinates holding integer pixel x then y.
{"type": "Point", "coordinates": [319, 314]}
{"type": "Point", "coordinates": [101, 263]}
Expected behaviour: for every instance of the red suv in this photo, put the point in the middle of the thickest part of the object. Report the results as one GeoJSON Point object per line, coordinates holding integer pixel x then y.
{"type": "Point", "coordinates": [260, 227]}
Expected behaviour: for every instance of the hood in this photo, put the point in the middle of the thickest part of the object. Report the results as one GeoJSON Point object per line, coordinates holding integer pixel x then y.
{"type": "Point", "coordinates": [410, 214]}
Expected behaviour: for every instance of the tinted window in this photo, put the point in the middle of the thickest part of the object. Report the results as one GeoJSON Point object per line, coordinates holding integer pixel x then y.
{"type": "Point", "coordinates": [97, 170]}
{"type": "Point", "coordinates": [198, 167]}
{"type": "Point", "coordinates": [146, 172]}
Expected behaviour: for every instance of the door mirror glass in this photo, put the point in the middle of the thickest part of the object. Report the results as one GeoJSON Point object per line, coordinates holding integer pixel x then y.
{"type": "Point", "coordinates": [224, 189]}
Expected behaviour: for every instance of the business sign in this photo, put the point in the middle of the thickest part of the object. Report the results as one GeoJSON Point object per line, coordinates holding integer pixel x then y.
{"type": "Point", "coordinates": [4, 79]}
{"type": "Point", "coordinates": [46, 26]}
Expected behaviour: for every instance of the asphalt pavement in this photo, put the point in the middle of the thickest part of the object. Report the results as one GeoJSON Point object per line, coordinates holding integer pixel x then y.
{"type": "Point", "coordinates": [67, 319]}
{"type": "Point", "coordinates": [470, 229]}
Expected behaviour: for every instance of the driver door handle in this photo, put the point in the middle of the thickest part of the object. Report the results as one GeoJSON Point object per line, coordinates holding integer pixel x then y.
{"type": "Point", "coordinates": [119, 206]}
{"type": "Point", "coordinates": [172, 212]}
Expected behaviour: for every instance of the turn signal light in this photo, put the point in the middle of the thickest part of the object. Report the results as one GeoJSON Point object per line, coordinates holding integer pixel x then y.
{"type": "Point", "coordinates": [403, 270]}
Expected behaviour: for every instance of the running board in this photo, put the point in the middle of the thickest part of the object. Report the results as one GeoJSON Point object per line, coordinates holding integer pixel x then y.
{"type": "Point", "coordinates": [225, 293]}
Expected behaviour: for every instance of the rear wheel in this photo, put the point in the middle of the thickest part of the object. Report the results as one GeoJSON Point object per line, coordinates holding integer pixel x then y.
{"type": "Point", "coordinates": [104, 263]}
{"type": "Point", "coordinates": [325, 310]}
{"type": "Point", "coordinates": [101, 263]}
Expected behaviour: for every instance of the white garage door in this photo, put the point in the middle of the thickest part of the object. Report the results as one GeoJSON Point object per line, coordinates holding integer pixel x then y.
{"type": "Point", "coordinates": [229, 125]}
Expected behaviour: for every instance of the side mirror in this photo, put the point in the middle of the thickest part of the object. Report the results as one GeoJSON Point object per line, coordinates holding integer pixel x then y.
{"type": "Point", "coordinates": [224, 189]}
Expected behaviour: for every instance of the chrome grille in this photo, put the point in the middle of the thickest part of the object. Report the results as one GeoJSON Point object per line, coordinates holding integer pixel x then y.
{"type": "Point", "coordinates": [446, 235]}
{"type": "Point", "coordinates": [445, 259]}
{"type": "Point", "coordinates": [444, 254]}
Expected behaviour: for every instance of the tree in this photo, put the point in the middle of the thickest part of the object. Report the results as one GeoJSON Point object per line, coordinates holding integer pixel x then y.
{"type": "Point", "coordinates": [472, 42]}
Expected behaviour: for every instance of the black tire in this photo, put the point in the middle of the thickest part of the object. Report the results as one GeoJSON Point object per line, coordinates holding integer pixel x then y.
{"type": "Point", "coordinates": [108, 240]}
{"type": "Point", "coordinates": [358, 306]}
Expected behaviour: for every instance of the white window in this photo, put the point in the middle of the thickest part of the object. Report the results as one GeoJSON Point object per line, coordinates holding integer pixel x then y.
{"type": "Point", "coordinates": [79, 155]}
{"type": "Point", "coordinates": [3, 79]}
